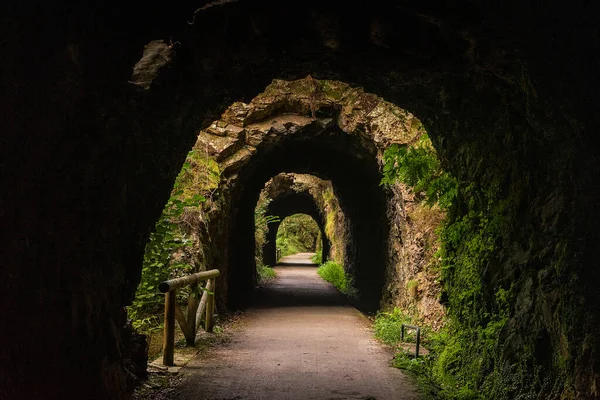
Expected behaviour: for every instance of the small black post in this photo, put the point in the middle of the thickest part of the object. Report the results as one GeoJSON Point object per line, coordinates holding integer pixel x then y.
{"type": "Point", "coordinates": [418, 342]}
{"type": "Point", "coordinates": [418, 336]}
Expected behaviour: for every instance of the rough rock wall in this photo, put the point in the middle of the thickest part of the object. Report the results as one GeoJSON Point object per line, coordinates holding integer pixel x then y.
{"type": "Point", "coordinates": [286, 187]}
{"type": "Point", "coordinates": [413, 276]}
{"type": "Point", "coordinates": [90, 161]}
{"type": "Point", "coordinates": [306, 108]}
{"type": "Point", "coordinates": [289, 194]}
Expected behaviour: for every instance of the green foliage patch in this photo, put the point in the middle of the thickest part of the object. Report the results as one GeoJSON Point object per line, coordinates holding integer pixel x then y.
{"type": "Point", "coordinates": [261, 222]}
{"type": "Point", "coordinates": [432, 382]}
{"type": "Point", "coordinates": [419, 167]}
{"type": "Point", "coordinates": [198, 176]}
{"type": "Point", "coordinates": [464, 361]}
{"type": "Point", "coordinates": [297, 233]}
{"type": "Point", "coordinates": [318, 257]}
{"type": "Point", "coordinates": [265, 274]}
{"type": "Point", "coordinates": [334, 273]}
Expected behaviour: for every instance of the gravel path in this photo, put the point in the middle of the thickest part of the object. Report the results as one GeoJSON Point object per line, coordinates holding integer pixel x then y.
{"type": "Point", "coordinates": [300, 341]}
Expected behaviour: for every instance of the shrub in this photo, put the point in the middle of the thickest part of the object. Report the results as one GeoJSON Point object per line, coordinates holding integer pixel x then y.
{"type": "Point", "coordinates": [334, 273]}
{"type": "Point", "coordinates": [317, 258]}
{"type": "Point", "coordinates": [265, 274]}
{"type": "Point", "coordinates": [387, 326]}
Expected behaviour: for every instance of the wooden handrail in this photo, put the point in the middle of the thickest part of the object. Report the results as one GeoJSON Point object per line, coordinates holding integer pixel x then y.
{"type": "Point", "coordinates": [184, 281]}
{"type": "Point", "coordinates": [195, 309]}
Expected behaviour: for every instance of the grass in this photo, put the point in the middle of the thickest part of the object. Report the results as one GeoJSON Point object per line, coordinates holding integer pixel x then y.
{"type": "Point", "coordinates": [387, 326]}
{"type": "Point", "coordinates": [334, 273]}
{"type": "Point", "coordinates": [433, 383]}
{"type": "Point", "coordinates": [317, 258]}
{"type": "Point", "coordinates": [265, 274]}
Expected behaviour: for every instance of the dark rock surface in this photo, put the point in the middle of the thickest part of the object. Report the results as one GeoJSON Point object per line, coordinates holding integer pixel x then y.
{"type": "Point", "coordinates": [507, 91]}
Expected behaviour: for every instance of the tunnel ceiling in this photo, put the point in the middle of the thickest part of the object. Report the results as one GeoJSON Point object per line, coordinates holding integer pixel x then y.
{"type": "Point", "coordinates": [507, 91]}
{"type": "Point", "coordinates": [294, 203]}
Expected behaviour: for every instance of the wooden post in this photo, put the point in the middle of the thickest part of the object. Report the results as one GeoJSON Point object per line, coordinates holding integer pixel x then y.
{"type": "Point", "coordinates": [190, 335]}
{"type": "Point", "coordinates": [210, 307]}
{"type": "Point", "coordinates": [209, 288]}
{"type": "Point", "coordinates": [169, 332]}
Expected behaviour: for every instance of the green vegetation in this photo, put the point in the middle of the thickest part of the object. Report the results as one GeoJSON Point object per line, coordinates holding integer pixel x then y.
{"type": "Point", "coordinates": [166, 253]}
{"type": "Point", "coordinates": [318, 257]}
{"type": "Point", "coordinates": [419, 167]}
{"type": "Point", "coordinates": [334, 226]}
{"type": "Point", "coordinates": [265, 274]}
{"type": "Point", "coordinates": [297, 233]}
{"type": "Point", "coordinates": [387, 326]}
{"type": "Point", "coordinates": [334, 273]}
{"type": "Point", "coordinates": [412, 287]}
{"type": "Point", "coordinates": [432, 382]}
{"type": "Point", "coordinates": [261, 222]}
{"type": "Point", "coordinates": [464, 355]}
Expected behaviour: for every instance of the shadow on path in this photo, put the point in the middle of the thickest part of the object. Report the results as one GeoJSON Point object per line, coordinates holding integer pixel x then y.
{"type": "Point", "coordinates": [300, 341]}
{"type": "Point", "coordinates": [297, 284]}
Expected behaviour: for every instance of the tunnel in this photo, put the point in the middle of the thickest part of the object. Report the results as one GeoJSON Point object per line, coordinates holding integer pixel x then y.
{"type": "Point", "coordinates": [289, 204]}
{"type": "Point", "coordinates": [355, 176]}
{"type": "Point", "coordinates": [102, 104]}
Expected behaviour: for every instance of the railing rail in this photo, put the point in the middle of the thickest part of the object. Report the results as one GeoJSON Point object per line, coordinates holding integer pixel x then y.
{"type": "Point", "coordinates": [405, 326]}
{"type": "Point", "coordinates": [195, 309]}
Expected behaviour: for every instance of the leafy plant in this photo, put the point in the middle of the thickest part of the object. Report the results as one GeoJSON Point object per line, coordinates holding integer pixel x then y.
{"type": "Point", "coordinates": [197, 177]}
{"type": "Point", "coordinates": [387, 325]}
{"type": "Point", "coordinates": [297, 233]}
{"type": "Point", "coordinates": [318, 257]}
{"type": "Point", "coordinates": [261, 222]}
{"type": "Point", "coordinates": [464, 356]}
{"type": "Point", "coordinates": [334, 273]}
{"type": "Point", "coordinates": [265, 274]}
{"type": "Point", "coordinates": [419, 167]}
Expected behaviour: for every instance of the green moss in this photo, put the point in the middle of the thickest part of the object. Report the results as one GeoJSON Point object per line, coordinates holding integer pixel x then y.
{"type": "Point", "coordinates": [332, 89]}
{"type": "Point", "coordinates": [466, 356]}
{"type": "Point", "coordinates": [412, 287]}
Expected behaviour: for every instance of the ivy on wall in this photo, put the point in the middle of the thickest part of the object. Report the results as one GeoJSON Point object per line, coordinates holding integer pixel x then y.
{"type": "Point", "coordinates": [464, 359]}
{"type": "Point", "coordinates": [172, 236]}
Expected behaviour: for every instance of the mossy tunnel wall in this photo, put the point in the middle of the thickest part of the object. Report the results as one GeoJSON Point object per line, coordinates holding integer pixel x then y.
{"type": "Point", "coordinates": [289, 204]}
{"type": "Point", "coordinates": [355, 177]}
{"type": "Point", "coordinates": [92, 152]}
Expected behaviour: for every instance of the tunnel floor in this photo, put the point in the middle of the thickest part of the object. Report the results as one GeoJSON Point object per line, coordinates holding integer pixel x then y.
{"type": "Point", "coordinates": [301, 340]}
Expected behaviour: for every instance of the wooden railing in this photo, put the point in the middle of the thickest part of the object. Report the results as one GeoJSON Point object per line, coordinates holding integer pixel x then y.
{"type": "Point", "coordinates": [195, 309]}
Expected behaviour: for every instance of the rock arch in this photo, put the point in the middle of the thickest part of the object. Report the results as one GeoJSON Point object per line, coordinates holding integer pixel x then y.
{"type": "Point", "coordinates": [323, 128]}
{"type": "Point", "coordinates": [285, 205]}
{"type": "Point", "coordinates": [504, 98]}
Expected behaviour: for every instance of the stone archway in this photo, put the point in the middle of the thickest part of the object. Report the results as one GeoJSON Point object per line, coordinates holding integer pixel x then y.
{"type": "Point", "coordinates": [285, 205]}
{"type": "Point", "coordinates": [324, 128]}
{"type": "Point", "coordinates": [90, 159]}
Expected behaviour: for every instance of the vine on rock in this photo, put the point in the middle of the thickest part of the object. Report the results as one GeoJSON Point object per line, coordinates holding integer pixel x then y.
{"type": "Point", "coordinates": [165, 256]}
{"type": "Point", "coordinates": [464, 355]}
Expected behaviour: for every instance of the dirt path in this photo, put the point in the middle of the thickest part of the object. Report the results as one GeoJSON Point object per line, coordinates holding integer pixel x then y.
{"type": "Point", "coordinates": [300, 341]}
